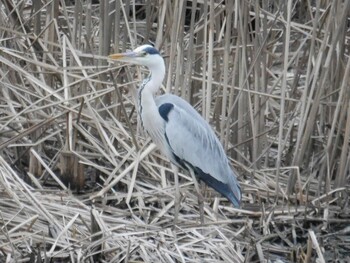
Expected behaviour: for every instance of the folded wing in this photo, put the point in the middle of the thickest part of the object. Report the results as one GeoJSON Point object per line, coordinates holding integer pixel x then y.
{"type": "Point", "coordinates": [192, 143]}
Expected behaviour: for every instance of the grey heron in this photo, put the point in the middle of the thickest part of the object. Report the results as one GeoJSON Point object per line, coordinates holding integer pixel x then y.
{"type": "Point", "coordinates": [179, 130]}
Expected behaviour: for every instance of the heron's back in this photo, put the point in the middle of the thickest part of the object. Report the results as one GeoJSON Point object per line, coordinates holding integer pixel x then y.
{"type": "Point", "coordinates": [193, 141]}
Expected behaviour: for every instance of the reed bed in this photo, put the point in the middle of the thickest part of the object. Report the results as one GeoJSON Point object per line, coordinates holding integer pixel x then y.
{"type": "Point", "coordinates": [81, 182]}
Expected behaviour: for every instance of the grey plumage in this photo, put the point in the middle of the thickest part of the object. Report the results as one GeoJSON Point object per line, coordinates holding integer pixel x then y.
{"type": "Point", "coordinates": [192, 140]}
{"type": "Point", "coordinates": [179, 130]}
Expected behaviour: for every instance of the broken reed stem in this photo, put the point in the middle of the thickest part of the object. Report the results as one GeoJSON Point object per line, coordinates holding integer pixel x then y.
{"type": "Point", "coordinates": [270, 79]}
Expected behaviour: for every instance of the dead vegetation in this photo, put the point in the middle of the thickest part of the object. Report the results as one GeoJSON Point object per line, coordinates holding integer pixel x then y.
{"type": "Point", "coordinates": [272, 77]}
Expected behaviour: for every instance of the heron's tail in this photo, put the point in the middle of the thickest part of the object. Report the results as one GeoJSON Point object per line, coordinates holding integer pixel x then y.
{"type": "Point", "coordinates": [230, 189]}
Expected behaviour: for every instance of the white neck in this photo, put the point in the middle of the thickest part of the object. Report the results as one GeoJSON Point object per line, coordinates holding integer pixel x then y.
{"type": "Point", "coordinates": [147, 107]}
{"type": "Point", "coordinates": [157, 73]}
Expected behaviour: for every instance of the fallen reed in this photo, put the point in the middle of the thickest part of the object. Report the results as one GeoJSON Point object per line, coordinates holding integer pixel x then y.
{"type": "Point", "coordinates": [80, 181]}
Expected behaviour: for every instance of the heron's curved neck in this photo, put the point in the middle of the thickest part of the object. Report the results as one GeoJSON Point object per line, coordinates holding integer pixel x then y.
{"type": "Point", "coordinates": [155, 78]}
{"type": "Point", "coordinates": [147, 105]}
{"type": "Point", "coordinates": [151, 85]}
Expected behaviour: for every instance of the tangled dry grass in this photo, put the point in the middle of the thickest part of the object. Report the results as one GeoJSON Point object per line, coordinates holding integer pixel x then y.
{"type": "Point", "coordinates": [79, 181]}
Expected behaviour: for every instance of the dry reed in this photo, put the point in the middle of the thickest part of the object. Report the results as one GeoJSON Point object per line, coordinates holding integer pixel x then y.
{"type": "Point", "coordinates": [80, 182]}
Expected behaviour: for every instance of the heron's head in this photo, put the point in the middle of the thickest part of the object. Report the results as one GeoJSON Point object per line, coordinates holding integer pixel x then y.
{"type": "Point", "coordinates": [144, 55]}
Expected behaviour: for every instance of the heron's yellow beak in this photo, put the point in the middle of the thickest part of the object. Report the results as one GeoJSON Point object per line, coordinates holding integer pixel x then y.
{"type": "Point", "coordinates": [116, 56]}
{"type": "Point", "coordinates": [123, 56]}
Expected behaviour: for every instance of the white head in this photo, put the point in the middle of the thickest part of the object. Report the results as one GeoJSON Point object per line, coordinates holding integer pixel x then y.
{"type": "Point", "coordinates": [144, 55]}
{"type": "Point", "coordinates": [147, 56]}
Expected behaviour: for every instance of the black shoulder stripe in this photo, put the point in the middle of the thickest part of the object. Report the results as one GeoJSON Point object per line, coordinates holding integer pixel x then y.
{"type": "Point", "coordinates": [164, 110]}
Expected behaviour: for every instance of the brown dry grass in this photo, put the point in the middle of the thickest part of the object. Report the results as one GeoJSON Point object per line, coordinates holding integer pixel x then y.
{"type": "Point", "coordinates": [272, 79]}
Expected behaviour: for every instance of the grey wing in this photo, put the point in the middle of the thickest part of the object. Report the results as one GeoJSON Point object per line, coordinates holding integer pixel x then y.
{"type": "Point", "coordinates": [193, 143]}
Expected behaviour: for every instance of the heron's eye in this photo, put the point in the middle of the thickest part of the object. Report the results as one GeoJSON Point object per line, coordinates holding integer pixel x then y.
{"type": "Point", "coordinates": [143, 53]}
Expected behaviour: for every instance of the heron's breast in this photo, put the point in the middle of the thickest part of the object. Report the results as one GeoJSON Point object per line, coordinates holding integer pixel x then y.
{"type": "Point", "coordinates": [153, 124]}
